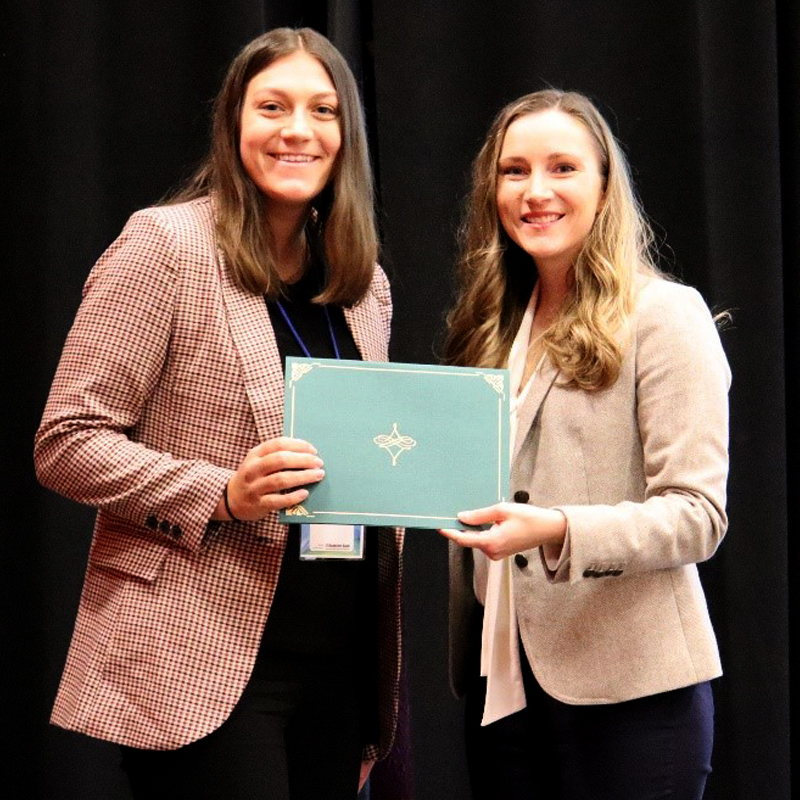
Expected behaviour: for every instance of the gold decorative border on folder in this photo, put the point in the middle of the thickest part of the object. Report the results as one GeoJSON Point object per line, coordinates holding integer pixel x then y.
{"type": "Point", "coordinates": [493, 380]}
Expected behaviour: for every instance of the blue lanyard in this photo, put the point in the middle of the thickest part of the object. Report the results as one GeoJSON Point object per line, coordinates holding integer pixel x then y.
{"type": "Point", "coordinates": [297, 335]}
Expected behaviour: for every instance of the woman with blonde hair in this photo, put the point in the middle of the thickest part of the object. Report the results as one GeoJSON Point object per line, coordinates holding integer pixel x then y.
{"type": "Point", "coordinates": [222, 664]}
{"type": "Point", "coordinates": [579, 629]}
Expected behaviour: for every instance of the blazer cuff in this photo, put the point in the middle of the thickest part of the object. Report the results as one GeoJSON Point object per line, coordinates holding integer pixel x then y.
{"type": "Point", "coordinates": [556, 558]}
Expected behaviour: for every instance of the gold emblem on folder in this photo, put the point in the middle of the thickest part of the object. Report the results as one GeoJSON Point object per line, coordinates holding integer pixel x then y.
{"type": "Point", "coordinates": [497, 383]}
{"type": "Point", "coordinates": [395, 443]}
{"type": "Point", "coordinates": [298, 370]}
{"type": "Point", "coordinates": [296, 511]}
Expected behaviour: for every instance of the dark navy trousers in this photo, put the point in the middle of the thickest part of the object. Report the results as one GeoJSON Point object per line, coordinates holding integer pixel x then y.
{"type": "Point", "coordinates": [643, 749]}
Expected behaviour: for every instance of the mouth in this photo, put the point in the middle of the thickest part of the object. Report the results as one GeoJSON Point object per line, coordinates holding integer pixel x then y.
{"type": "Point", "coordinates": [294, 158]}
{"type": "Point", "coordinates": [540, 219]}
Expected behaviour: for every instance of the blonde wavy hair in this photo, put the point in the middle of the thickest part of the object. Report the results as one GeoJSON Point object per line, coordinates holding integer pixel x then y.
{"type": "Point", "coordinates": [495, 276]}
{"type": "Point", "coordinates": [341, 230]}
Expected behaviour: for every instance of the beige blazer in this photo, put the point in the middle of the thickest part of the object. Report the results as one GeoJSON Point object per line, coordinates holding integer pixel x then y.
{"type": "Point", "coordinates": [639, 470]}
{"type": "Point", "coordinates": [170, 374]}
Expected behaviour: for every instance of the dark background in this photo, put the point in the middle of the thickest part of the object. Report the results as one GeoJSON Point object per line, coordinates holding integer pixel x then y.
{"type": "Point", "coordinates": [105, 107]}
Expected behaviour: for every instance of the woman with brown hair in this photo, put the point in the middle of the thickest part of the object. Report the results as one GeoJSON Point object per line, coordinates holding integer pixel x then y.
{"type": "Point", "coordinates": [579, 629]}
{"type": "Point", "coordinates": [223, 664]}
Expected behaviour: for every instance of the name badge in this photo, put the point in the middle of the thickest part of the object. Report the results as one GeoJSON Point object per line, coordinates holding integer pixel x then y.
{"type": "Point", "coordinates": [331, 541]}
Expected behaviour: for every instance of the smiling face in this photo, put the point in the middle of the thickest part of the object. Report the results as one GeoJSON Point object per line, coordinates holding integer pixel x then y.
{"type": "Point", "coordinates": [290, 132]}
{"type": "Point", "coordinates": [549, 186]}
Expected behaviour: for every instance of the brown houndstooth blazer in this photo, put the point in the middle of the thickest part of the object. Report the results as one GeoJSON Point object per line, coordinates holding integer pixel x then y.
{"type": "Point", "coordinates": [169, 376]}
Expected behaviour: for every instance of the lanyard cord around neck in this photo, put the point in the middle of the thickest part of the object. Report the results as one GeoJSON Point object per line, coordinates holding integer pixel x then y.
{"type": "Point", "coordinates": [297, 335]}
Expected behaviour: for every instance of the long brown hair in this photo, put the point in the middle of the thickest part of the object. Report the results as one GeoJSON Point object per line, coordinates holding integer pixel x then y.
{"type": "Point", "coordinates": [496, 277]}
{"type": "Point", "coordinates": [341, 230]}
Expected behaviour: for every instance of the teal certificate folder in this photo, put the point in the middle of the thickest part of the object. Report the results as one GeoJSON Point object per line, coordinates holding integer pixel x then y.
{"type": "Point", "coordinates": [402, 444]}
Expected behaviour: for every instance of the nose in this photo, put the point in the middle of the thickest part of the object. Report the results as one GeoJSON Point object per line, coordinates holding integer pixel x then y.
{"type": "Point", "coordinates": [298, 126]}
{"type": "Point", "coordinates": [537, 187]}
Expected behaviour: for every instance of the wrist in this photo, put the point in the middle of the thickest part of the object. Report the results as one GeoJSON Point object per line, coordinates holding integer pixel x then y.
{"type": "Point", "coordinates": [557, 527]}
{"type": "Point", "coordinates": [226, 502]}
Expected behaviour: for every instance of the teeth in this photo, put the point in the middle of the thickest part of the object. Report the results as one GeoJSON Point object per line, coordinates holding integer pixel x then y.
{"type": "Point", "coordinates": [541, 220]}
{"type": "Point", "coordinates": [294, 157]}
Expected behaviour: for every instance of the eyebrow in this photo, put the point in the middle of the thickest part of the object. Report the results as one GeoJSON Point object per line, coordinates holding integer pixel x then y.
{"type": "Point", "coordinates": [550, 157]}
{"type": "Point", "coordinates": [565, 155]}
{"type": "Point", "coordinates": [283, 93]}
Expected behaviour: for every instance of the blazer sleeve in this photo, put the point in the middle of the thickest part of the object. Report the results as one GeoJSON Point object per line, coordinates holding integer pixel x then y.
{"type": "Point", "coordinates": [383, 292]}
{"type": "Point", "coordinates": [112, 362]}
{"type": "Point", "coordinates": [681, 394]}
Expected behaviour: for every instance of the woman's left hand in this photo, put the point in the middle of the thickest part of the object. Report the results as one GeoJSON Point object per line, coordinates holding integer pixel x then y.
{"type": "Point", "coordinates": [515, 527]}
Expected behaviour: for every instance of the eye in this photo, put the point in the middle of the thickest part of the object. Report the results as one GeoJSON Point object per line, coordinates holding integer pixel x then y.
{"type": "Point", "coordinates": [326, 111]}
{"type": "Point", "coordinates": [564, 168]}
{"type": "Point", "coordinates": [271, 108]}
{"type": "Point", "coordinates": [512, 171]}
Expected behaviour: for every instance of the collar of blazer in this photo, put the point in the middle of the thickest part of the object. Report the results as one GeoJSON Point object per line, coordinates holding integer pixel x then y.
{"type": "Point", "coordinates": [257, 348]}
{"type": "Point", "coordinates": [543, 381]}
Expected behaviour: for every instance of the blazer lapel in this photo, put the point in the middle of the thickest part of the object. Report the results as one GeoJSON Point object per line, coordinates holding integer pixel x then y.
{"type": "Point", "coordinates": [259, 357]}
{"type": "Point", "coordinates": [363, 321]}
{"type": "Point", "coordinates": [542, 383]}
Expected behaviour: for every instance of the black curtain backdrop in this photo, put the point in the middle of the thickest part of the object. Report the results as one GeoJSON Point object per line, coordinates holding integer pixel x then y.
{"type": "Point", "coordinates": [105, 107]}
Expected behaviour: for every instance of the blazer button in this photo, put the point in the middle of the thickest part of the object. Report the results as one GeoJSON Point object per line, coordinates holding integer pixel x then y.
{"type": "Point", "coordinates": [590, 573]}
{"type": "Point", "coordinates": [176, 532]}
{"type": "Point", "coordinates": [165, 527]}
{"type": "Point", "coordinates": [520, 561]}
{"type": "Point", "coordinates": [151, 522]}
{"type": "Point", "coordinates": [521, 496]}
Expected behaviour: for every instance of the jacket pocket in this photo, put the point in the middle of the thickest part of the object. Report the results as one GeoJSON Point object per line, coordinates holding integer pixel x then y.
{"type": "Point", "coordinates": [124, 547]}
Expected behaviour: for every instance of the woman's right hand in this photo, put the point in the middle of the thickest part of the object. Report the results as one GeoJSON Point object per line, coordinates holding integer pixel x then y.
{"type": "Point", "coordinates": [270, 478]}
{"type": "Point", "coordinates": [515, 527]}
